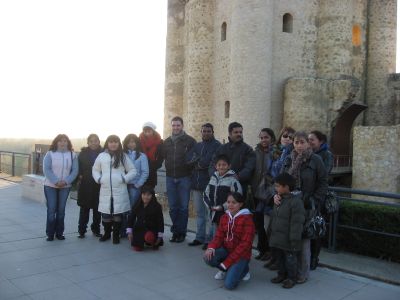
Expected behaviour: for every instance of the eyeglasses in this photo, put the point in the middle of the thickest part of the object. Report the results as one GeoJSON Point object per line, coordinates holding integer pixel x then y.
{"type": "Point", "coordinates": [287, 136]}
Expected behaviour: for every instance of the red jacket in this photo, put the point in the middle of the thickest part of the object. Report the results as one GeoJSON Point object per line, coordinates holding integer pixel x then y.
{"type": "Point", "coordinates": [236, 235]}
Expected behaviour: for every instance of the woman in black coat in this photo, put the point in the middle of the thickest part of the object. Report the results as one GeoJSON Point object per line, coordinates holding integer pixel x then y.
{"type": "Point", "coordinates": [146, 221]}
{"type": "Point", "coordinates": [88, 190]}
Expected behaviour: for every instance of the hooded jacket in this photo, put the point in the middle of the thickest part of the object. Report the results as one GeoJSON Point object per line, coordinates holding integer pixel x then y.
{"type": "Point", "coordinates": [217, 192]}
{"type": "Point", "coordinates": [235, 234]}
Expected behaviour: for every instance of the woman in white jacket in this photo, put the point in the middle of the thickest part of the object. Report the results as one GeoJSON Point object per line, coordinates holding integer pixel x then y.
{"type": "Point", "coordinates": [113, 170]}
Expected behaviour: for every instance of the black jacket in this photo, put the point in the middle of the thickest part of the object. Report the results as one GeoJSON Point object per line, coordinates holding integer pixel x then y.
{"type": "Point", "coordinates": [88, 190]}
{"type": "Point", "coordinates": [242, 158]}
{"type": "Point", "coordinates": [143, 219]}
{"type": "Point", "coordinates": [313, 179]}
{"type": "Point", "coordinates": [175, 155]}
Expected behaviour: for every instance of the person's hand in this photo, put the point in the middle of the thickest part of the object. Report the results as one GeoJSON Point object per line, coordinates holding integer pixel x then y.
{"type": "Point", "coordinates": [277, 199]}
{"type": "Point", "coordinates": [61, 184]}
{"type": "Point", "coordinates": [130, 237]}
{"type": "Point", "coordinates": [208, 255]}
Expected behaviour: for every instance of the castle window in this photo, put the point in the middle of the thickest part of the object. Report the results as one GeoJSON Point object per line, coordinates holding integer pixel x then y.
{"type": "Point", "coordinates": [227, 108]}
{"type": "Point", "coordinates": [287, 25]}
{"type": "Point", "coordinates": [356, 35]}
{"type": "Point", "coordinates": [223, 32]}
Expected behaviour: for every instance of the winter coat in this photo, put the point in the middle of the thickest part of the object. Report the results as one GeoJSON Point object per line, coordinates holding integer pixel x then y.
{"type": "Point", "coordinates": [235, 234]}
{"type": "Point", "coordinates": [58, 166]}
{"type": "Point", "coordinates": [88, 189]}
{"type": "Point", "coordinates": [287, 223]}
{"type": "Point", "coordinates": [242, 159]}
{"type": "Point", "coordinates": [175, 155]}
{"type": "Point", "coordinates": [313, 180]}
{"type": "Point", "coordinates": [326, 156]}
{"type": "Point", "coordinates": [143, 219]}
{"type": "Point", "coordinates": [152, 147]}
{"type": "Point", "coordinates": [142, 168]}
{"type": "Point", "coordinates": [113, 183]}
{"type": "Point", "coordinates": [200, 157]}
{"type": "Point", "coordinates": [217, 192]}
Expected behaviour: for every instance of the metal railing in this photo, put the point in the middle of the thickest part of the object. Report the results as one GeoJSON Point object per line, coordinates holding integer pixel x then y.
{"type": "Point", "coordinates": [15, 163]}
{"type": "Point", "coordinates": [345, 194]}
{"type": "Point", "coordinates": [342, 161]}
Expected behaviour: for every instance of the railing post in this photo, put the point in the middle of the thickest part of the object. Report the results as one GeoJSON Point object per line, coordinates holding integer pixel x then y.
{"type": "Point", "coordinates": [13, 164]}
{"type": "Point", "coordinates": [29, 164]}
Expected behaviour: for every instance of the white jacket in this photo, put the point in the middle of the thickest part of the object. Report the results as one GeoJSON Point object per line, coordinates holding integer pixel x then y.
{"type": "Point", "coordinates": [113, 182]}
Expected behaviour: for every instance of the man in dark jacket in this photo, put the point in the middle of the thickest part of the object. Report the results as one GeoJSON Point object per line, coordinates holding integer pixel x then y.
{"type": "Point", "coordinates": [241, 155]}
{"type": "Point", "coordinates": [200, 157]}
{"type": "Point", "coordinates": [175, 150]}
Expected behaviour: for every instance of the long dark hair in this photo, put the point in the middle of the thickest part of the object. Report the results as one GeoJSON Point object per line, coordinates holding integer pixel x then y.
{"type": "Point", "coordinates": [118, 154]}
{"type": "Point", "coordinates": [135, 138]}
{"type": "Point", "coordinates": [53, 146]}
{"type": "Point", "coordinates": [271, 133]}
{"type": "Point", "coordinates": [139, 203]}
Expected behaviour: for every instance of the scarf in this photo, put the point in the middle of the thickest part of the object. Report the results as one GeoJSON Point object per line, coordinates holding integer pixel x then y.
{"type": "Point", "coordinates": [297, 161]}
{"type": "Point", "coordinates": [149, 145]}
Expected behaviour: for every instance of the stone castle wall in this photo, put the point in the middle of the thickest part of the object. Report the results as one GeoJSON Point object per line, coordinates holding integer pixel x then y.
{"type": "Point", "coordinates": [376, 158]}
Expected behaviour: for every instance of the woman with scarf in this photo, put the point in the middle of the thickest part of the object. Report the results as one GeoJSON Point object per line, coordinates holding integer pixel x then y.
{"type": "Point", "coordinates": [312, 180]}
{"type": "Point", "coordinates": [230, 250]}
{"type": "Point", "coordinates": [150, 142]}
{"type": "Point", "coordinates": [318, 143]}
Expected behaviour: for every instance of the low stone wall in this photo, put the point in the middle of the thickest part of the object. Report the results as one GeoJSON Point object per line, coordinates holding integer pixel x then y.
{"type": "Point", "coordinates": [376, 158]}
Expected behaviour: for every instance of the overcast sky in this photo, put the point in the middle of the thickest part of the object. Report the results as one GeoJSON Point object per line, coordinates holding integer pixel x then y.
{"type": "Point", "coordinates": [82, 66]}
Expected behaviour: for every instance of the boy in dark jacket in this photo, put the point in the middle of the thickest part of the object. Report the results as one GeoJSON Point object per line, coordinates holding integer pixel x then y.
{"type": "Point", "coordinates": [287, 226]}
{"type": "Point", "coordinates": [146, 222]}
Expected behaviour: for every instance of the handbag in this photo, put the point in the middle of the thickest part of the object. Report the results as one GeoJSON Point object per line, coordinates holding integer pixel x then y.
{"type": "Point", "coordinates": [315, 225]}
{"type": "Point", "coordinates": [263, 191]}
{"type": "Point", "coordinates": [331, 204]}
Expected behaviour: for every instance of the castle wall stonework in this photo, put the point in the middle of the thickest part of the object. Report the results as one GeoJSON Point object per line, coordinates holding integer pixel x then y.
{"type": "Point", "coordinates": [376, 158]}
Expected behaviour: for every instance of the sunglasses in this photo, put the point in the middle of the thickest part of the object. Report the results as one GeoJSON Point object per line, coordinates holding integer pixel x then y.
{"type": "Point", "coordinates": [287, 136]}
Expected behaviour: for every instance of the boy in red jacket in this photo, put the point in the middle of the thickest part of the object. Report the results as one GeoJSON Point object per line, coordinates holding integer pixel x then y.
{"type": "Point", "coordinates": [230, 250]}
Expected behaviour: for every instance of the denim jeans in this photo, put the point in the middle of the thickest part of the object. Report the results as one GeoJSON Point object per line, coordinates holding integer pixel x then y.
{"type": "Point", "coordinates": [235, 273]}
{"type": "Point", "coordinates": [134, 194]}
{"type": "Point", "coordinates": [178, 192]}
{"type": "Point", "coordinates": [287, 261]}
{"type": "Point", "coordinates": [303, 260]}
{"type": "Point", "coordinates": [56, 199]}
{"type": "Point", "coordinates": [201, 217]}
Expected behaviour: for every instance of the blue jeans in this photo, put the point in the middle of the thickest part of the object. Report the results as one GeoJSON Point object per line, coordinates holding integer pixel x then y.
{"type": "Point", "coordinates": [56, 199]}
{"type": "Point", "coordinates": [201, 212]}
{"type": "Point", "coordinates": [178, 192]}
{"type": "Point", "coordinates": [134, 194]}
{"type": "Point", "coordinates": [235, 273]}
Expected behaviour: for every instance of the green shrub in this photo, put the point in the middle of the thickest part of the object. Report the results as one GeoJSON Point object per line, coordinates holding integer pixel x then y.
{"type": "Point", "coordinates": [372, 217]}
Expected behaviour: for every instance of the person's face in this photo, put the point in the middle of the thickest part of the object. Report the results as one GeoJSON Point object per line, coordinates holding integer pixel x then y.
{"type": "Point", "coordinates": [286, 138]}
{"type": "Point", "coordinates": [222, 167]}
{"type": "Point", "coordinates": [131, 145]}
{"type": "Point", "coordinates": [177, 127]}
{"type": "Point", "coordinates": [148, 131]}
{"type": "Point", "coordinates": [314, 142]}
{"type": "Point", "coordinates": [113, 146]}
{"type": "Point", "coordinates": [62, 144]}
{"type": "Point", "coordinates": [233, 205]}
{"type": "Point", "coordinates": [300, 144]}
{"type": "Point", "coordinates": [206, 133]}
{"type": "Point", "coordinates": [236, 134]}
{"type": "Point", "coordinates": [281, 189]}
{"type": "Point", "coordinates": [93, 143]}
{"type": "Point", "coordinates": [265, 139]}
{"type": "Point", "coordinates": [146, 198]}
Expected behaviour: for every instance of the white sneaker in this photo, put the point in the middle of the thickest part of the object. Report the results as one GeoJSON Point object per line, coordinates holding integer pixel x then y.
{"type": "Point", "coordinates": [246, 277]}
{"type": "Point", "coordinates": [220, 275]}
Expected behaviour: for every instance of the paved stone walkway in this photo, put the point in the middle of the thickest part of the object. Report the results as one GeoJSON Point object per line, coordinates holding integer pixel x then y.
{"type": "Point", "coordinates": [31, 268]}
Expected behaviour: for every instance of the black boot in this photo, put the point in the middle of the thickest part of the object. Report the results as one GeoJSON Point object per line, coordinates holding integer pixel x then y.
{"type": "Point", "coordinates": [116, 229]}
{"type": "Point", "coordinates": [107, 231]}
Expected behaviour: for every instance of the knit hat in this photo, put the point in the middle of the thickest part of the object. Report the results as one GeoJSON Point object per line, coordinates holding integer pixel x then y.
{"type": "Point", "coordinates": [150, 125]}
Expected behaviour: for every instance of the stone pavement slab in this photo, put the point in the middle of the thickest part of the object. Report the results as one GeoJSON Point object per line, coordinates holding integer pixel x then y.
{"type": "Point", "coordinates": [31, 268]}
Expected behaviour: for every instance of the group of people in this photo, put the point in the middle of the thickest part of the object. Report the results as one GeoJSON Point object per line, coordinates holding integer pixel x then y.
{"type": "Point", "coordinates": [237, 191]}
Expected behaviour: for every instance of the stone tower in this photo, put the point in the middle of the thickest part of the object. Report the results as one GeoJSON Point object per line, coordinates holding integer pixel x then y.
{"type": "Point", "coordinates": [310, 64]}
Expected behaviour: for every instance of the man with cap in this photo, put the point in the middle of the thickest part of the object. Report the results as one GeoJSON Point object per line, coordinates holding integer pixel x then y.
{"type": "Point", "coordinates": [151, 143]}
